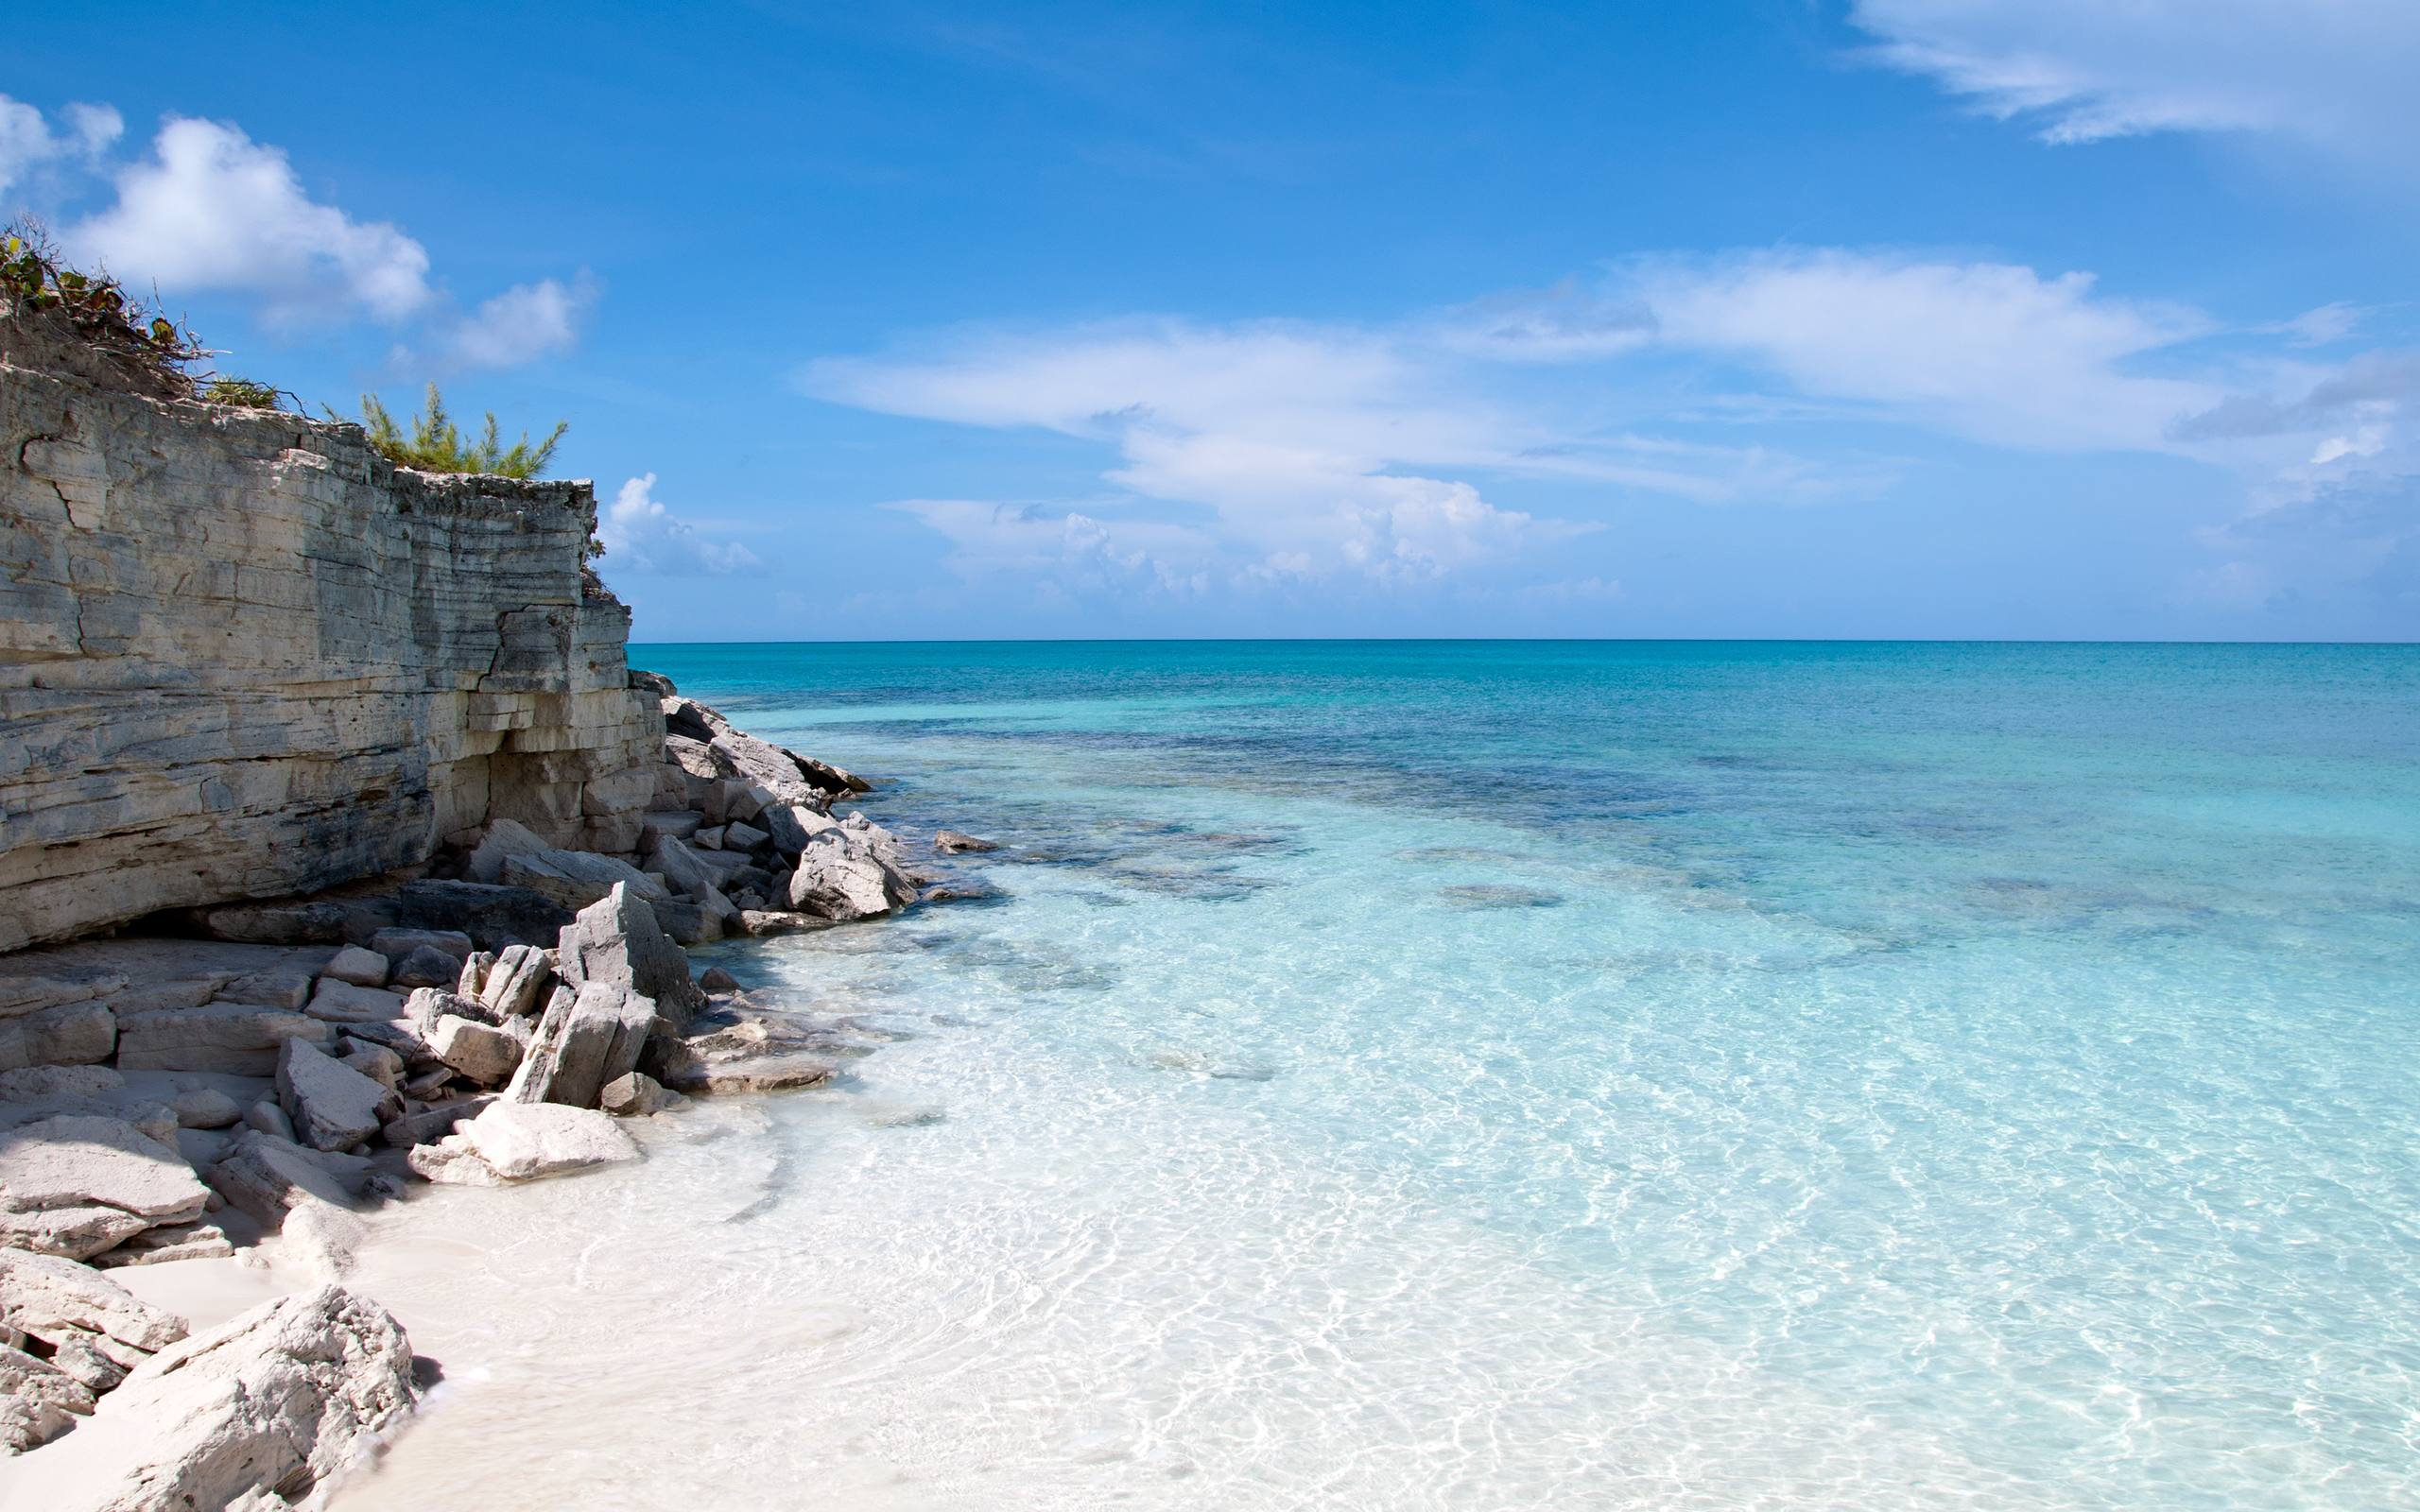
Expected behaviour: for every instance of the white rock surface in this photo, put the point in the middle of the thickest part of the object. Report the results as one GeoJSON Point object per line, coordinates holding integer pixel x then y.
{"type": "Point", "coordinates": [358, 966]}
{"type": "Point", "coordinates": [277, 1400]}
{"type": "Point", "coordinates": [523, 1140]}
{"type": "Point", "coordinates": [343, 1003]}
{"type": "Point", "coordinates": [73, 1034]}
{"type": "Point", "coordinates": [452, 1161]}
{"type": "Point", "coordinates": [53, 1299]}
{"type": "Point", "coordinates": [267, 1177]}
{"type": "Point", "coordinates": [218, 1037]}
{"type": "Point", "coordinates": [76, 1186]}
{"type": "Point", "coordinates": [618, 941]}
{"type": "Point", "coordinates": [486, 1055]}
{"type": "Point", "coordinates": [38, 1400]}
{"type": "Point", "coordinates": [841, 877]}
{"type": "Point", "coordinates": [519, 976]}
{"type": "Point", "coordinates": [332, 1106]}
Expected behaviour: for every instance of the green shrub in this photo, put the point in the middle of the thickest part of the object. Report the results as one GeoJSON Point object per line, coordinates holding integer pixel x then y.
{"type": "Point", "coordinates": [437, 445]}
{"type": "Point", "coordinates": [241, 392]}
{"type": "Point", "coordinates": [95, 306]}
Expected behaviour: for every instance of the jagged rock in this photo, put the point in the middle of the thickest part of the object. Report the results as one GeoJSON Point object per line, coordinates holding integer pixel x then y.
{"type": "Point", "coordinates": [273, 924]}
{"type": "Point", "coordinates": [21, 995]}
{"type": "Point", "coordinates": [617, 940]}
{"type": "Point", "coordinates": [395, 943]}
{"type": "Point", "coordinates": [575, 879]}
{"type": "Point", "coordinates": [428, 1003]}
{"type": "Point", "coordinates": [343, 1003]}
{"type": "Point", "coordinates": [840, 878]}
{"type": "Point", "coordinates": [266, 1176]}
{"type": "Point", "coordinates": [762, 922]}
{"type": "Point", "coordinates": [38, 1400]}
{"type": "Point", "coordinates": [77, 1185]}
{"type": "Point", "coordinates": [474, 978]}
{"type": "Point", "coordinates": [57, 1299]}
{"type": "Point", "coordinates": [277, 1399]}
{"type": "Point", "coordinates": [72, 1035]}
{"type": "Point", "coordinates": [221, 1037]}
{"type": "Point", "coordinates": [658, 827]}
{"type": "Point", "coordinates": [791, 825]}
{"type": "Point", "coordinates": [332, 1106]}
{"type": "Point", "coordinates": [951, 842]}
{"type": "Point", "coordinates": [431, 1124]}
{"type": "Point", "coordinates": [715, 979]}
{"type": "Point", "coordinates": [428, 965]}
{"type": "Point", "coordinates": [708, 839]}
{"type": "Point", "coordinates": [504, 839]}
{"type": "Point", "coordinates": [154, 1120]}
{"type": "Point", "coordinates": [360, 966]}
{"type": "Point", "coordinates": [374, 1061]}
{"type": "Point", "coordinates": [268, 1118]}
{"type": "Point", "coordinates": [582, 1045]}
{"type": "Point", "coordinates": [171, 1242]}
{"type": "Point", "coordinates": [652, 682]}
{"type": "Point", "coordinates": [636, 1096]}
{"type": "Point", "coordinates": [738, 837]}
{"type": "Point", "coordinates": [686, 869]}
{"type": "Point", "coordinates": [399, 1036]}
{"type": "Point", "coordinates": [81, 1355]}
{"type": "Point", "coordinates": [687, 923]}
{"type": "Point", "coordinates": [202, 1107]}
{"type": "Point", "coordinates": [280, 986]}
{"type": "Point", "coordinates": [514, 987]}
{"type": "Point", "coordinates": [492, 917]}
{"type": "Point", "coordinates": [486, 1055]}
{"type": "Point", "coordinates": [451, 1162]}
{"type": "Point", "coordinates": [697, 756]}
{"type": "Point", "coordinates": [522, 1141]}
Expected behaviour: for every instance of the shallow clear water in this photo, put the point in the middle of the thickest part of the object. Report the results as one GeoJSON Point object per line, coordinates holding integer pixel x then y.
{"type": "Point", "coordinates": [1411, 1075]}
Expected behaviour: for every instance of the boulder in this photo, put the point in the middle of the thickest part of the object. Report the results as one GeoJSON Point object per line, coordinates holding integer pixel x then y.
{"type": "Point", "coordinates": [617, 940]}
{"type": "Point", "coordinates": [69, 1183]}
{"type": "Point", "coordinates": [273, 924]}
{"type": "Point", "coordinates": [451, 1162]}
{"type": "Point", "coordinates": [950, 842]}
{"type": "Point", "coordinates": [486, 1055]}
{"type": "Point", "coordinates": [428, 1003]}
{"type": "Point", "coordinates": [153, 1119]}
{"type": "Point", "coordinates": [401, 1038]}
{"type": "Point", "coordinates": [707, 839]}
{"type": "Point", "coordinates": [269, 1119]}
{"type": "Point", "coordinates": [431, 1124]}
{"type": "Point", "coordinates": [280, 986]}
{"type": "Point", "coordinates": [636, 1096]}
{"type": "Point", "coordinates": [652, 682]}
{"type": "Point", "coordinates": [170, 1242]}
{"type": "Point", "coordinates": [395, 943]}
{"type": "Point", "coordinates": [698, 757]}
{"type": "Point", "coordinates": [474, 977]}
{"type": "Point", "coordinates": [241, 1039]}
{"type": "Point", "coordinates": [276, 1400]}
{"type": "Point", "coordinates": [687, 923]}
{"type": "Point", "coordinates": [372, 1060]}
{"type": "Point", "coordinates": [839, 876]}
{"type": "Point", "coordinates": [74, 1034]}
{"type": "Point", "coordinates": [426, 965]}
{"type": "Point", "coordinates": [743, 837]}
{"type": "Point", "coordinates": [514, 986]}
{"type": "Point", "coordinates": [715, 979]}
{"type": "Point", "coordinates": [332, 1106]}
{"type": "Point", "coordinates": [576, 878]}
{"type": "Point", "coordinates": [343, 1003]}
{"type": "Point", "coordinates": [360, 966]}
{"type": "Point", "coordinates": [658, 827]}
{"type": "Point", "coordinates": [523, 1141]}
{"type": "Point", "coordinates": [57, 1299]}
{"type": "Point", "coordinates": [203, 1106]}
{"type": "Point", "coordinates": [492, 917]}
{"type": "Point", "coordinates": [597, 1038]}
{"type": "Point", "coordinates": [504, 839]}
{"type": "Point", "coordinates": [791, 825]}
{"type": "Point", "coordinates": [688, 870]}
{"type": "Point", "coordinates": [38, 1400]}
{"type": "Point", "coordinates": [267, 1177]}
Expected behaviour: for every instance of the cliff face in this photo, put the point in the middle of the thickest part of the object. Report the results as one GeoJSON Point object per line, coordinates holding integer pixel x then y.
{"type": "Point", "coordinates": [242, 656]}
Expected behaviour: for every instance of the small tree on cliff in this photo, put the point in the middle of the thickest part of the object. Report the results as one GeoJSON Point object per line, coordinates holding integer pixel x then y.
{"type": "Point", "coordinates": [437, 445]}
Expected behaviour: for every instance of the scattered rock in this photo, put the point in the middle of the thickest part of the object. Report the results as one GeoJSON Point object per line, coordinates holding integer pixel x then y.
{"type": "Point", "coordinates": [332, 1106]}
{"type": "Point", "coordinates": [451, 1162]}
{"type": "Point", "coordinates": [762, 922]}
{"type": "Point", "coordinates": [618, 941]}
{"type": "Point", "coordinates": [220, 1036]}
{"type": "Point", "coordinates": [38, 1400]}
{"type": "Point", "coordinates": [486, 1055]}
{"type": "Point", "coordinates": [360, 966]}
{"type": "Point", "coordinates": [267, 1177]}
{"type": "Point", "coordinates": [576, 878]}
{"type": "Point", "coordinates": [951, 842]}
{"type": "Point", "coordinates": [707, 839]}
{"type": "Point", "coordinates": [57, 1301]}
{"type": "Point", "coordinates": [269, 1119]}
{"type": "Point", "coordinates": [202, 1107]}
{"type": "Point", "coordinates": [715, 979]}
{"type": "Point", "coordinates": [582, 1045]}
{"type": "Point", "coordinates": [840, 878]}
{"type": "Point", "coordinates": [170, 1242]}
{"type": "Point", "coordinates": [791, 825]}
{"type": "Point", "coordinates": [428, 965]}
{"type": "Point", "coordinates": [525, 1140]}
{"type": "Point", "coordinates": [492, 917]}
{"type": "Point", "coordinates": [397, 943]}
{"type": "Point", "coordinates": [67, 1183]}
{"type": "Point", "coordinates": [401, 1038]}
{"type": "Point", "coordinates": [504, 839]}
{"type": "Point", "coordinates": [658, 827]}
{"type": "Point", "coordinates": [428, 1126]}
{"type": "Point", "coordinates": [474, 978]}
{"type": "Point", "coordinates": [74, 1034]}
{"type": "Point", "coordinates": [374, 1061]}
{"type": "Point", "coordinates": [738, 836]}
{"type": "Point", "coordinates": [514, 987]}
{"type": "Point", "coordinates": [687, 923]}
{"type": "Point", "coordinates": [343, 1003]}
{"type": "Point", "coordinates": [278, 1399]}
{"type": "Point", "coordinates": [685, 868]}
{"type": "Point", "coordinates": [636, 1096]}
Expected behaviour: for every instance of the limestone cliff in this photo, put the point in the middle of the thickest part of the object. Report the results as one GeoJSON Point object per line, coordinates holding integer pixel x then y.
{"type": "Point", "coordinates": [242, 656]}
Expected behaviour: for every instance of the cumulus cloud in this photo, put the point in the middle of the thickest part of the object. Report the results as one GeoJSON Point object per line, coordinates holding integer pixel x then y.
{"type": "Point", "coordinates": [214, 209]}
{"type": "Point", "coordinates": [641, 535]}
{"type": "Point", "coordinates": [525, 322]}
{"type": "Point", "coordinates": [2334, 72]}
{"type": "Point", "coordinates": [28, 144]}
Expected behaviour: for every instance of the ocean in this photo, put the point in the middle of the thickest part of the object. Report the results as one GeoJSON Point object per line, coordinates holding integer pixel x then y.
{"type": "Point", "coordinates": [1491, 1075]}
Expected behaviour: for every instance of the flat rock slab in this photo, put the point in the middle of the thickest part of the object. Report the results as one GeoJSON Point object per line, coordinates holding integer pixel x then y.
{"type": "Point", "coordinates": [522, 1141]}
{"type": "Point", "coordinates": [71, 1035]}
{"type": "Point", "coordinates": [396, 944]}
{"type": "Point", "coordinates": [359, 966]}
{"type": "Point", "coordinates": [146, 961]}
{"type": "Point", "coordinates": [280, 1397]}
{"type": "Point", "coordinates": [426, 965]}
{"type": "Point", "coordinates": [266, 1176]}
{"type": "Point", "coordinates": [53, 1299]}
{"type": "Point", "coordinates": [486, 1055]}
{"type": "Point", "coordinates": [343, 1003]}
{"type": "Point", "coordinates": [233, 1037]}
{"type": "Point", "coordinates": [332, 1106]}
{"type": "Point", "coordinates": [576, 878]}
{"type": "Point", "coordinates": [428, 1126]}
{"type": "Point", "coordinates": [759, 1073]}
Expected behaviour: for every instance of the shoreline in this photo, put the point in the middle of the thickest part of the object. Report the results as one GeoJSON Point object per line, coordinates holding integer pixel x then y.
{"type": "Point", "coordinates": [529, 1062]}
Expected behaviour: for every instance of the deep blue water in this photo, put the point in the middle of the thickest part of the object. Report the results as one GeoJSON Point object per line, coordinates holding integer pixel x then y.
{"type": "Point", "coordinates": [1610, 1074]}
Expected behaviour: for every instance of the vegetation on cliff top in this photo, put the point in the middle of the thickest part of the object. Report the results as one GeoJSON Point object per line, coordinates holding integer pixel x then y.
{"type": "Point", "coordinates": [93, 308]}
{"type": "Point", "coordinates": [437, 445]}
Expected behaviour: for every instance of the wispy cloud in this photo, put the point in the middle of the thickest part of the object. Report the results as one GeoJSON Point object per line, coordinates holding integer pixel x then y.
{"type": "Point", "coordinates": [29, 146]}
{"type": "Point", "coordinates": [641, 535]}
{"type": "Point", "coordinates": [2337, 73]}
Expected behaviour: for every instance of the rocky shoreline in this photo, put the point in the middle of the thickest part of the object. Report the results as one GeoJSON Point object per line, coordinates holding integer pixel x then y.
{"type": "Point", "coordinates": [241, 1082]}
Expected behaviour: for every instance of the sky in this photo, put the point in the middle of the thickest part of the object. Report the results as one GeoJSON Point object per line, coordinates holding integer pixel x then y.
{"type": "Point", "coordinates": [1827, 318]}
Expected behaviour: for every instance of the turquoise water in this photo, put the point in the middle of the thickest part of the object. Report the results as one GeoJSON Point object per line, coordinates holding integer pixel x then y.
{"type": "Point", "coordinates": [1493, 1075]}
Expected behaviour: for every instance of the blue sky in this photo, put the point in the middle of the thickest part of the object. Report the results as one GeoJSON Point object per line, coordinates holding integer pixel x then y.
{"type": "Point", "coordinates": [1902, 318]}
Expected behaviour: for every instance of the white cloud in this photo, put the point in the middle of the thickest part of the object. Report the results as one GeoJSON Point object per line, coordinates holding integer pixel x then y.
{"type": "Point", "coordinates": [2335, 72]}
{"type": "Point", "coordinates": [214, 210]}
{"type": "Point", "coordinates": [28, 145]}
{"type": "Point", "coordinates": [641, 536]}
{"type": "Point", "coordinates": [522, 324]}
